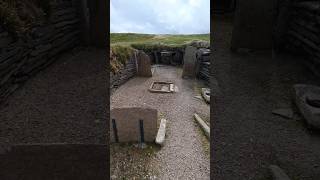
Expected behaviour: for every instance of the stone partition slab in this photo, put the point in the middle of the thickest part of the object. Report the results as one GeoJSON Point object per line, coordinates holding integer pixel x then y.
{"type": "Point", "coordinates": [127, 124]}
{"type": "Point", "coordinates": [144, 65]}
{"type": "Point", "coordinates": [189, 62]}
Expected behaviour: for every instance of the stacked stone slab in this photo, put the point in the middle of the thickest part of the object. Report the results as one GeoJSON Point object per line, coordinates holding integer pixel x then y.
{"type": "Point", "coordinates": [203, 64]}
{"type": "Point", "coordinates": [303, 32]}
{"type": "Point", "coordinates": [22, 57]}
{"type": "Point", "coordinates": [124, 74]}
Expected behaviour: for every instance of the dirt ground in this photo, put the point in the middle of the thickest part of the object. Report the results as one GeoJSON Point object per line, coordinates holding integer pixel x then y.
{"type": "Point", "coordinates": [185, 154]}
{"type": "Point", "coordinates": [247, 137]}
{"type": "Point", "coordinates": [55, 106]}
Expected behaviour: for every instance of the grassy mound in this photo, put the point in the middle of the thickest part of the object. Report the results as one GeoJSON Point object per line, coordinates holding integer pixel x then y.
{"type": "Point", "coordinates": [123, 44]}
{"type": "Point", "coordinates": [153, 40]}
{"type": "Point", "coordinates": [119, 55]}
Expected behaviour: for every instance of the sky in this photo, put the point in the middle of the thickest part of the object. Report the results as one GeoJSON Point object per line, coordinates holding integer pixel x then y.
{"type": "Point", "coordinates": [160, 16]}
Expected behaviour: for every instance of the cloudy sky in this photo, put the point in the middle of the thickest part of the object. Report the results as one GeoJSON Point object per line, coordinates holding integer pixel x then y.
{"type": "Point", "coordinates": [160, 16]}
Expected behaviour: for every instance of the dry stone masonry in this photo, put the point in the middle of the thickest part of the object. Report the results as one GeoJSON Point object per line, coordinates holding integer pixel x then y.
{"type": "Point", "coordinates": [22, 57]}
{"type": "Point", "coordinates": [203, 64]}
{"type": "Point", "coordinates": [124, 74]}
{"type": "Point", "coordinates": [303, 32]}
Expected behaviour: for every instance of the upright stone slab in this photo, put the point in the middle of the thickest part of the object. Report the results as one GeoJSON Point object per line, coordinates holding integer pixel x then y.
{"type": "Point", "coordinates": [144, 65]}
{"type": "Point", "coordinates": [189, 62]}
{"type": "Point", "coordinates": [125, 124]}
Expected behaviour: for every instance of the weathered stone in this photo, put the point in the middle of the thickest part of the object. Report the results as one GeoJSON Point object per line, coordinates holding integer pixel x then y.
{"type": "Point", "coordinates": [203, 125]}
{"type": "Point", "coordinates": [177, 58]}
{"type": "Point", "coordinates": [200, 44]}
{"type": "Point", "coordinates": [39, 32]}
{"type": "Point", "coordinates": [41, 49]}
{"type": "Point", "coordinates": [309, 112]}
{"type": "Point", "coordinates": [205, 92]}
{"type": "Point", "coordinates": [278, 173]}
{"type": "Point", "coordinates": [124, 74]}
{"type": "Point", "coordinates": [144, 65]}
{"type": "Point", "coordinates": [64, 12]}
{"type": "Point", "coordinates": [66, 23]}
{"type": "Point", "coordinates": [64, 18]}
{"type": "Point", "coordinates": [127, 122]}
{"type": "Point", "coordinates": [189, 62]}
{"type": "Point", "coordinates": [284, 112]}
{"type": "Point", "coordinates": [8, 54]}
{"type": "Point", "coordinates": [166, 57]}
{"type": "Point", "coordinates": [161, 132]}
{"type": "Point", "coordinates": [5, 41]}
{"type": "Point", "coordinates": [162, 87]}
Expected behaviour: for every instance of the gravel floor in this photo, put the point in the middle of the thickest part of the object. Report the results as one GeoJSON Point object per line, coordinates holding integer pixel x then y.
{"type": "Point", "coordinates": [65, 103]}
{"type": "Point", "coordinates": [247, 136]}
{"type": "Point", "coordinates": [185, 154]}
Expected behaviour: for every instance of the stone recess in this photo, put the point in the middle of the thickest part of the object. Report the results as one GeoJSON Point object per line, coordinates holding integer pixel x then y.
{"type": "Point", "coordinates": [128, 126]}
{"type": "Point", "coordinates": [144, 65]}
{"type": "Point", "coordinates": [21, 58]}
{"type": "Point", "coordinates": [189, 62]}
{"type": "Point", "coordinates": [310, 113]}
{"type": "Point", "coordinates": [203, 64]}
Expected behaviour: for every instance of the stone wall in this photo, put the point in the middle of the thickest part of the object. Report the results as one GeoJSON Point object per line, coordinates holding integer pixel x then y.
{"type": "Point", "coordinates": [203, 65]}
{"type": "Point", "coordinates": [21, 57]}
{"type": "Point", "coordinates": [124, 74]}
{"type": "Point", "coordinates": [176, 57]}
{"type": "Point", "coordinates": [302, 34]}
{"type": "Point", "coordinates": [253, 25]}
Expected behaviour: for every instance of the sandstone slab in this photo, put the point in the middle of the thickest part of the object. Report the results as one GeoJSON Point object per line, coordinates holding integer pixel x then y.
{"type": "Point", "coordinates": [161, 132]}
{"type": "Point", "coordinates": [189, 62]}
{"type": "Point", "coordinates": [128, 124]}
{"type": "Point", "coordinates": [144, 65]}
{"type": "Point", "coordinates": [203, 125]}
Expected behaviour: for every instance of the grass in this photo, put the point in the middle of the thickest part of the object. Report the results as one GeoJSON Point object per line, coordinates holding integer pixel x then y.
{"type": "Point", "coordinates": [132, 39]}
{"type": "Point", "coordinates": [119, 55]}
